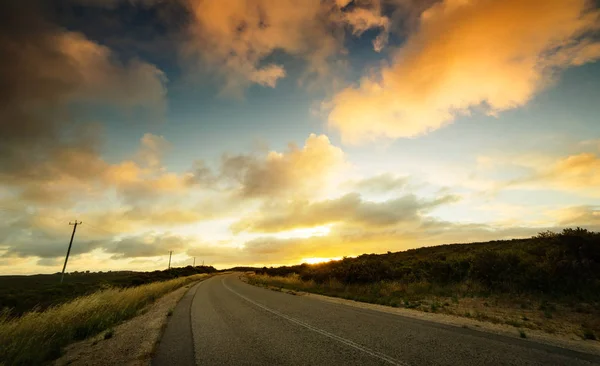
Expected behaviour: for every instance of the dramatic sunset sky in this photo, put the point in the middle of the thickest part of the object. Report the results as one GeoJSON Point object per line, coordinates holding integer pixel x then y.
{"type": "Point", "coordinates": [267, 132]}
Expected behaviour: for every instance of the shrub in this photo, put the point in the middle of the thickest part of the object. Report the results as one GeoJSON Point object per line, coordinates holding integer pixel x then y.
{"type": "Point", "coordinates": [588, 334]}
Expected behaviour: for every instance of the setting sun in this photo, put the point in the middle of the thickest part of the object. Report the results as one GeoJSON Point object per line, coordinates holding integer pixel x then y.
{"type": "Point", "coordinates": [315, 260]}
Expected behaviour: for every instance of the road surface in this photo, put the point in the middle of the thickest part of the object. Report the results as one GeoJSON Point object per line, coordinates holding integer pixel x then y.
{"type": "Point", "coordinates": [224, 321]}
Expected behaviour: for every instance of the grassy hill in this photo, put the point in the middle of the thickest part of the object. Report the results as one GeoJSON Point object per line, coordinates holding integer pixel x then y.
{"type": "Point", "coordinates": [19, 294]}
{"type": "Point", "coordinates": [549, 282]}
{"type": "Point", "coordinates": [552, 264]}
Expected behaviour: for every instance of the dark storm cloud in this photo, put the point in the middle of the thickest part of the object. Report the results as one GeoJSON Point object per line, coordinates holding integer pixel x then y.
{"type": "Point", "coordinates": [44, 72]}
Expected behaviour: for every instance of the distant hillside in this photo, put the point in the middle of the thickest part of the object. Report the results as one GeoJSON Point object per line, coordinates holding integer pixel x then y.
{"type": "Point", "coordinates": [24, 293]}
{"type": "Point", "coordinates": [241, 269]}
{"type": "Point", "coordinates": [555, 264]}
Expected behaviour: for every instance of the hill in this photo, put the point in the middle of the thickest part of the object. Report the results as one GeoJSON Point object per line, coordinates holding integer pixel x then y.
{"type": "Point", "coordinates": [553, 264]}
{"type": "Point", "coordinates": [19, 294]}
{"type": "Point", "coordinates": [550, 282]}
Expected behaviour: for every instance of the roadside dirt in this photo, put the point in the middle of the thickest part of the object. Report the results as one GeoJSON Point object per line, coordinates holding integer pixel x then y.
{"type": "Point", "coordinates": [131, 343]}
{"type": "Point", "coordinates": [558, 340]}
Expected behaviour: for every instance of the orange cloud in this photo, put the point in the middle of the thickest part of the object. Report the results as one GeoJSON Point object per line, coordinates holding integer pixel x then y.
{"type": "Point", "coordinates": [588, 216]}
{"type": "Point", "coordinates": [575, 172]}
{"type": "Point", "coordinates": [579, 173]}
{"type": "Point", "coordinates": [495, 54]}
{"type": "Point", "coordinates": [236, 37]}
{"type": "Point", "coordinates": [296, 172]}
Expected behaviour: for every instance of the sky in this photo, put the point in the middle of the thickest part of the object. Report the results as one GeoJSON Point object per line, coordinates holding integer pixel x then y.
{"type": "Point", "coordinates": [262, 132]}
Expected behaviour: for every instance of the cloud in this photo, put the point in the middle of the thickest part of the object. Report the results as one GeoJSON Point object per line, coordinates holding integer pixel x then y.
{"type": "Point", "coordinates": [587, 216]}
{"type": "Point", "coordinates": [351, 210]}
{"type": "Point", "coordinates": [132, 195]}
{"type": "Point", "coordinates": [164, 216]}
{"type": "Point", "coordinates": [579, 173]}
{"type": "Point", "coordinates": [363, 19]}
{"type": "Point", "coordinates": [49, 262]}
{"type": "Point", "coordinates": [47, 148]}
{"type": "Point", "coordinates": [202, 175]}
{"type": "Point", "coordinates": [241, 38]}
{"type": "Point", "coordinates": [111, 4]}
{"type": "Point", "coordinates": [43, 233]}
{"type": "Point", "coordinates": [46, 236]}
{"type": "Point", "coordinates": [152, 150]}
{"type": "Point", "coordinates": [576, 171]}
{"type": "Point", "coordinates": [43, 247]}
{"type": "Point", "coordinates": [68, 173]}
{"type": "Point", "coordinates": [494, 55]}
{"type": "Point", "coordinates": [150, 245]}
{"type": "Point", "coordinates": [294, 172]}
{"type": "Point", "coordinates": [345, 241]}
{"type": "Point", "coordinates": [382, 183]}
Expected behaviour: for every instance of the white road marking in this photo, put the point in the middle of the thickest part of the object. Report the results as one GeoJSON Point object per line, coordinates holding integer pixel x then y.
{"type": "Point", "coordinates": [345, 341]}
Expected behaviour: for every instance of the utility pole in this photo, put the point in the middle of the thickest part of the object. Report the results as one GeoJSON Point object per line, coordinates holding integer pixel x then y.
{"type": "Point", "coordinates": [75, 223]}
{"type": "Point", "coordinates": [203, 263]}
{"type": "Point", "coordinates": [194, 262]}
{"type": "Point", "coordinates": [170, 253]}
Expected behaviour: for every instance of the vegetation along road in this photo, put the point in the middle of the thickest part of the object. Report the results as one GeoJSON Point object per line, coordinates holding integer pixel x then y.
{"type": "Point", "coordinates": [224, 321]}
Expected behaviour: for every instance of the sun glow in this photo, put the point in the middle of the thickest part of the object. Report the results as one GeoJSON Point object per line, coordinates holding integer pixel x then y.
{"type": "Point", "coordinates": [315, 260]}
{"type": "Point", "coordinates": [304, 232]}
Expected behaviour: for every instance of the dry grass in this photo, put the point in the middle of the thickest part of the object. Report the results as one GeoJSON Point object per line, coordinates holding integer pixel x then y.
{"type": "Point", "coordinates": [37, 337]}
{"type": "Point", "coordinates": [522, 312]}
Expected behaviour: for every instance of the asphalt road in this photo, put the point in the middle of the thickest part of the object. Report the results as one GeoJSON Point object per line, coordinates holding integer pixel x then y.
{"type": "Point", "coordinates": [224, 321]}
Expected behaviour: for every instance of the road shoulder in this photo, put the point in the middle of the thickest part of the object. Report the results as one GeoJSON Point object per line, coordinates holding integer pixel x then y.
{"type": "Point", "coordinates": [176, 345]}
{"type": "Point", "coordinates": [130, 343]}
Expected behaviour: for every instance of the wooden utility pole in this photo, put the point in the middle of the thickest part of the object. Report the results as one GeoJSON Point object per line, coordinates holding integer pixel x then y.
{"type": "Point", "coordinates": [75, 223]}
{"type": "Point", "coordinates": [170, 253]}
{"type": "Point", "coordinates": [194, 262]}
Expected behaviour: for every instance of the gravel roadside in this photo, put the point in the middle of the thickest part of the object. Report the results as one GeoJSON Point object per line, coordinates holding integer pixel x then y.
{"type": "Point", "coordinates": [131, 343]}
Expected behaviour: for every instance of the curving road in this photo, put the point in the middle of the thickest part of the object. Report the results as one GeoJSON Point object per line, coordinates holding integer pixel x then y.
{"type": "Point", "coordinates": [224, 321]}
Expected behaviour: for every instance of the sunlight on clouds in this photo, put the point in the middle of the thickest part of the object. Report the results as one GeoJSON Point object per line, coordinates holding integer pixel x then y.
{"type": "Point", "coordinates": [323, 230]}
{"type": "Point", "coordinates": [492, 55]}
{"type": "Point", "coordinates": [315, 260]}
{"type": "Point", "coordinates": [68, 152]}
{"type": "Point", "coordinates": [579, 173]}
{"type": "Point", "coordinates": [237, 39]}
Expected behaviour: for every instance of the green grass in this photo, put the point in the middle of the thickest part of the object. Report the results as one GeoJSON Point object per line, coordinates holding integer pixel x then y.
{"type": "Point", "coordinates": [37, 337]}
{"type": "Point", "coordinates": [522, 334]}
